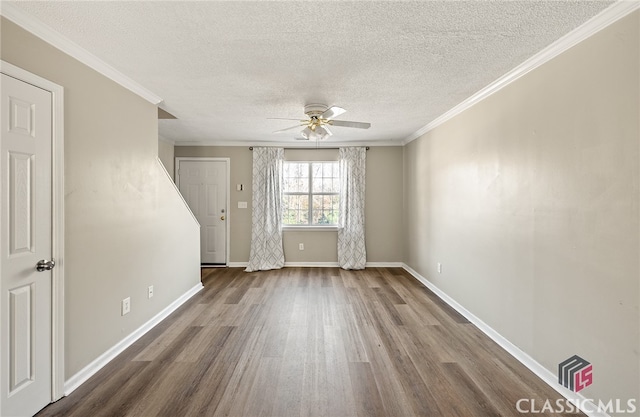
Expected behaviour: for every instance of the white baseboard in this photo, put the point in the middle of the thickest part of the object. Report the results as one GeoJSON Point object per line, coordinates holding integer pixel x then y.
{"type": "Point", "coordinates": [384, 264]}
{"type": "Point", "coordinates": [292, 264]}
{"type": "Point", "coordinates": [543, 373]}
{"type": "Point", "coordinates": [311, 264]}
{"type": "Point", "coordinates": [88, 371]}
{"type": "Point", "coordinates": [323, 264]}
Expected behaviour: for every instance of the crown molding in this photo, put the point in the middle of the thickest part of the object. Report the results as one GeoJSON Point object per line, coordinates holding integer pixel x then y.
{"type": "Point", "coordinates": [605, 18]}
{"type": "Point", "coordinates": [290, 144]}
{"type": "Point", "coordinates": [57, 40]}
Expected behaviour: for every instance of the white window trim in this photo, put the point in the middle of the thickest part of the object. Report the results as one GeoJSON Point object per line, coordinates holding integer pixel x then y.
{"type": "Point", "coordinates": [309, 228]}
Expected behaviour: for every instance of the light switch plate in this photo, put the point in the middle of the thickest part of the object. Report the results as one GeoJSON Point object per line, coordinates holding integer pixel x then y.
{"type": "Point", "coordinates": [242, 204]}
{"type": "Point", "coordinates": [126, 306]}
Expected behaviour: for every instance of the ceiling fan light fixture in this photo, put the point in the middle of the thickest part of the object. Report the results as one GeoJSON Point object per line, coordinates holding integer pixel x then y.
{"type": "Point", "coordinates": [323, 132]}
{"type": "Point", "coordinates": [307, 133]}
{"type": "Point", "coordinates": [317, 133]}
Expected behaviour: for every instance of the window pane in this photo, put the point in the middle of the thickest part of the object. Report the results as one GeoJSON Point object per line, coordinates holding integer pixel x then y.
{"type": "Point", "coordinates": [288, 185]}
{"type": "Point", "coordinates": [325, 209]}
{"type": "Point", "coordinates": [324, 177]}
{"type": "Point", "coordinates": [335, 185]}
{"type": "Point", "coordinates": [303, 185]}
{"type": "Point", "coordinates": [296, 177]}
{"type": "Point", "coordinates": [317, 184]}
{"type": "Point", "coordinates": [334, 211]}
{"type": "Point", "coordinates": [316, 171]}
{"type": "Point", "coordinates": [326, 170]}
{"type": "Point", "coordinates": [295, 209]}
{"type": "Point", "coordinates": [303, 169]}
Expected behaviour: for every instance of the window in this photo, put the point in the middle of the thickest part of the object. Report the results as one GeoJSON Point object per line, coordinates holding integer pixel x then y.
{"type": "Point", "coordinates": [311, 193]}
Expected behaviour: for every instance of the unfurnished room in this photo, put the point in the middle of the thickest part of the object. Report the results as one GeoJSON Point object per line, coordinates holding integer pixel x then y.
{"type": "Point", "coordinates": [320, 208]}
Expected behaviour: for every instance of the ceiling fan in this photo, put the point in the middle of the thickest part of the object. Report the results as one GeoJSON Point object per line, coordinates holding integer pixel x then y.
{"type": "Point", "coordinates": [319, 118]}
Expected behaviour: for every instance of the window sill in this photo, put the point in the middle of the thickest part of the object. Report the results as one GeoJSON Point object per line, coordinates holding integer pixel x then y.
{"type": "Point", "coordinates": [309, 228]}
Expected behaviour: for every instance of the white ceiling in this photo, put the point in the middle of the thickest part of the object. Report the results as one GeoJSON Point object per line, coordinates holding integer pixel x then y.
{"type": "Point", "coordinates": [223, 68]}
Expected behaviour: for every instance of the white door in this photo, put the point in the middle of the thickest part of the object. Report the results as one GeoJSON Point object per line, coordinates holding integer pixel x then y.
{"type": "Point", "coordinates": [203, 185]}
{"type": "Point", "coordinates": [25, 227]}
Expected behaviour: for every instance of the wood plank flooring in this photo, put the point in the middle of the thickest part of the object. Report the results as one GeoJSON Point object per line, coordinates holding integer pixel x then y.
{"type": "Point", "coordinates": [309, 342]}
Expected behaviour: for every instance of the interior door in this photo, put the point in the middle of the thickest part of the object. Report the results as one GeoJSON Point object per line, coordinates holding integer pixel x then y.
{"type": "Point", "coordinates": [25, 228]}
{"type": "Point", "coordinates": [203, 185]}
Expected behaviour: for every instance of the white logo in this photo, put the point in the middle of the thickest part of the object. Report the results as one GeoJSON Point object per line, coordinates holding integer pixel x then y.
{"type": "Point", "coordinates": [564, 406]}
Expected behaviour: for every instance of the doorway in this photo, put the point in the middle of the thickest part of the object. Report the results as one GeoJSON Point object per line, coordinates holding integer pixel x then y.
{"type": "Point", "coordinates": [204, 184]}
{"type": "Point", "coordinates": [31, 242]}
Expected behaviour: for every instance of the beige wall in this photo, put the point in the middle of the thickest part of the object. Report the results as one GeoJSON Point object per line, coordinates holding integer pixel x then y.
{"type": "Point", "coordinates": [383, 205]}
{"type": "Point", "coordinates": [126, 227]}
{"type": "Point", "coordinates": [165, 153]}
{"type": "Point", "coordinates": [530, 201]}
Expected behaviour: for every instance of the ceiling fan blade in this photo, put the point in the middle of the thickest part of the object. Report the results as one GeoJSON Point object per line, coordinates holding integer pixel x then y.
{"type": "Point", "coordinates": [284, 118]}
{"type": "Point", "coordinates": [288, 128]}
{"type": "Point", "coordinates": [345, 123]}
{"type": "Point", "coordinates": [332, 112]}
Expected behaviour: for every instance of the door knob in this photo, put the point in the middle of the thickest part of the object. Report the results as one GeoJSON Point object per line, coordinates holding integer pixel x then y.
{"type": "Point", "coordinates": [221, 217]}
{"type": "Point", "coordinates": [45, 265]}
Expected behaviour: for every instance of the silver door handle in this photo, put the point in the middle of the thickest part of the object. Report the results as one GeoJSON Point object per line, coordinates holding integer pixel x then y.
{"type": "Point", "coordinates": [45, 265]}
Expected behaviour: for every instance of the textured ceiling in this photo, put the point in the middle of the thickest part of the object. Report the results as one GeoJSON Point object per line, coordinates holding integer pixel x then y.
{"type": "Point", "coordinates": [223, 68]}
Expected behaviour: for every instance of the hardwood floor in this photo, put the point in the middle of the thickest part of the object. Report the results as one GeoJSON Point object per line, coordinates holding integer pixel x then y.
{"type": "Point", "coordinates": [309, 342]}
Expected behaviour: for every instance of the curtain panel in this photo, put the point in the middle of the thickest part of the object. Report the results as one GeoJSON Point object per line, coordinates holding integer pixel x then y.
{"type": "Point", "coordinates": [351, 247]}
{"type": "Point", "coordinates": [266, 230]}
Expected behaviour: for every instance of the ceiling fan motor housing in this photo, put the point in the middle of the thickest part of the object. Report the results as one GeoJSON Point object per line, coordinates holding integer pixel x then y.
{"type": "Point", "coordinates": [315, 109]}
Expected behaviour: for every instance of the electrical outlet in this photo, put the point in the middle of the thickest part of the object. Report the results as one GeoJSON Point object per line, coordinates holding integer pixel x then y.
{"type": "Point", "coordinates": [439, 268]}
{"type": "Point", "coordinates": [301, 246]}
{"type": "Point", "coordinates": [150, 291]}
{"type": "Point", "coordinates": [126, 306]}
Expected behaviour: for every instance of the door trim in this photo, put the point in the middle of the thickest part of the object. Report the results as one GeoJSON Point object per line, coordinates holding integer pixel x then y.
{"type": "Point", "coordinates": [57, 220]}
{"type": "Point", "coordinates": [227, 162]}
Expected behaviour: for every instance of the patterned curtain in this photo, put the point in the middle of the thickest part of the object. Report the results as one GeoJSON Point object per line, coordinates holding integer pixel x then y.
{"type": "Point", "coordinates": [266, 231]}
{"type": "Point", "coordinates": [351, 248]}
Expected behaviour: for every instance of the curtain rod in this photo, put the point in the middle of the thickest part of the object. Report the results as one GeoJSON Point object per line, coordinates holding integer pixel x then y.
{"type": "Point", "coordinates": [304, 149]}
